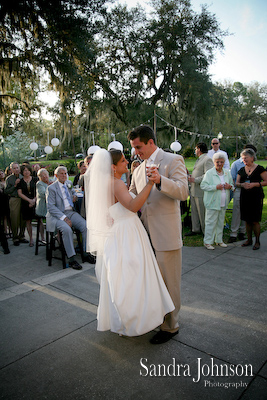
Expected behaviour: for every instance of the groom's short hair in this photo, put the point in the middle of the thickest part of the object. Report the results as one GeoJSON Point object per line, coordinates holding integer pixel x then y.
{"type": "Point", "coordinates": [143, 132]}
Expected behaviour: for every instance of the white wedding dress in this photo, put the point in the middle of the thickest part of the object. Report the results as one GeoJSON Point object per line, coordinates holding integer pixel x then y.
{"type": "Point", "coordinates": [133, 297]}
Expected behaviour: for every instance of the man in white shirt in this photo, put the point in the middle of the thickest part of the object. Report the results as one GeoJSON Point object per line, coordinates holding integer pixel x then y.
{"type": "Point", "coordinates": [61, 215]}
{"type": "Point", "coordinates": [215, 143]}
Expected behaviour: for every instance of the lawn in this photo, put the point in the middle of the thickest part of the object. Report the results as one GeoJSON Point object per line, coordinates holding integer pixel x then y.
{"type": "Point", "coordinates": [198, 240]}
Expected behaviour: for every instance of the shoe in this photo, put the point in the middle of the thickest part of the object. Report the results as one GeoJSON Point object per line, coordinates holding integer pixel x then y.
{"type": "Point", "coordinates": [209, 246]}
{"type": "Point", "coordinates": [6, 251]}
{"type": "Point", "coordinates": [232, 239]}
{"type": "Point", "coordinates": [192, 233]}
{"type": "Point", "coordinates": [247, 243]}
{"type": "Point", "coordinates": [42, 243]}
{"type": "Point", "coordinates": [75, 265]}
{"type": "Point", "coordinates": [162, 337]}
{"type": "Point", "coordinates": [24, 241]}
{"type": "Point", "coordinates": [31, 244]}
{"type": "Point", "coordinates": [221, 244]}
{"type": "Point", "coordinates": [256, 246]}
{"type": "Point", "coordinates": [16, 243]}
{"type": "Point", "coordinates": [89, 258]}
{"type": "Point", "coordinates": [241, 236]}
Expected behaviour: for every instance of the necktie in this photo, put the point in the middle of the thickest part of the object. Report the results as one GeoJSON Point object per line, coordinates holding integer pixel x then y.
{"type": "Point", "coordinates": [68, 195]}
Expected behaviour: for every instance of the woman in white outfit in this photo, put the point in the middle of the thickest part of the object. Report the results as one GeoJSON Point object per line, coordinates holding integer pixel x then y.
{"type": "Point", "coordinates": [133, 297]}
{"type": "Point", "coordinates": [217, 183]}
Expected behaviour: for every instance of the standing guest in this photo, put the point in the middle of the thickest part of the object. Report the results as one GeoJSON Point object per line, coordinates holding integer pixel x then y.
{"type": "Point", "coordinates": [217, 183]}
{"type": "Point", "coordinates": [8, 171]}
{"type": "Point", "coordinates": [41, 208]}
{"type": "Point", "coordinates": [134, 165]}
{"type": "Point", "coordinates": [161, 215]}
{"type": "Point", "coordinates": [82, 169]}
{"type": "Point", "coordinates": [36, 168]}
{"type": "Point", "coordinates": [27, 193]}
{"type": "Point", "coordinates": [4, 208]}
{"type": "Point", "coordinates": [215, 144]}
{"type": "Point", "coordinates": [17, 222]}
{"type": "Point", "coordinates": [5, 212]}
{"type": "Point", "coordinates": [250, 179]}
{"type": "Point", "coordinates": [237, 224]}
{"type": "Point", "coordinates": [202, 165]}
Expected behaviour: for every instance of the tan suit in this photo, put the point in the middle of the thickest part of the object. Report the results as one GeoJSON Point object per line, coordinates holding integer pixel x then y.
{"type": "Point", "coordinates": [202, 165]}
{"type": "Point", "coordinates": [161, 217]}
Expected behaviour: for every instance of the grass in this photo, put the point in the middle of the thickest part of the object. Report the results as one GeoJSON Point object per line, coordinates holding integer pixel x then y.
{"type": "Point", "coordinates": [197, 241]}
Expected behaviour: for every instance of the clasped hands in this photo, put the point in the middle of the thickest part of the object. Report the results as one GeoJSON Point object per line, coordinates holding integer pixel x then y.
{"type": "Point", "coordinates": [225, 186]}
{"type": "Point", "coordinates": [153, 174]}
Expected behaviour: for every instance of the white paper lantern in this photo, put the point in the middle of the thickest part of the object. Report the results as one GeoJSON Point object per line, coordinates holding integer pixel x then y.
{"type": "Point", "coordinates": [115, 145]}
{"type": "Point", "coordinates": [48, 149]}
{"type": "Point", "coordinates": [33, 146]}
{"type": "Point", "coordinates": [176, 146]}
{"type": "Point", "coordinates": [92, 149]}
{"type": "Point", "coordinates": [220, 135]}
{"type": "Point", "coordinates": [55, 142]}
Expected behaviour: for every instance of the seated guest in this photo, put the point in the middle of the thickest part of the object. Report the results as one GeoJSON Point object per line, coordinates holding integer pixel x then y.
{"type": "Point", "coordinates": [61, 215]}
{"type": "Point", "coordinates": [41, 208]}
{"type": "Point", "coordinates": [27, 192]}
{"type": "Point", "coordinates": [217, 183]}
{"type": "Point", "coordinates": [17, 222]}
{"type": "Point", "coordinates": [82, 168]}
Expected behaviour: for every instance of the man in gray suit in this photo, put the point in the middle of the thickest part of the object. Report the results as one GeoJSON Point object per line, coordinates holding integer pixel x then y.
{"type": "Point", "coordinates": [61, 216]}
{"type": "Point", "coordinates": [202, 165]}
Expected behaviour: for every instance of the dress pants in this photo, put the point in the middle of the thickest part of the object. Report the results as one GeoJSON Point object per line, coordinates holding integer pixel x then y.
{"type": "Point", "coordinates": [197, 214]}
{"type": "Point", "coordinates": [17, 223]}
{"type": "Point", "coordinates": [79, 223]}
{"type": "Point", "coordinates": [170, 265]}
{"type": "Point", "coordinates": [237, 223]}
{"type": "Point", "coordinates": [214, 223]}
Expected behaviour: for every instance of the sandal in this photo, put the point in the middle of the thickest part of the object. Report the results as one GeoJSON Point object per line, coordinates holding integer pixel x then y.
{"type": "Point", "coordinates": [256, 246]}
{"type": "Point", "coordinates": [31, 244]}
{"type": "Point", "coordinates": [246, 243]}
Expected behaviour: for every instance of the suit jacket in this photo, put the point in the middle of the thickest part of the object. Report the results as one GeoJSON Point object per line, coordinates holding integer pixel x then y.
{"type": "Point", "coordinates": [55, 204]}
{"type": "Point", "coordinates": [202, 165]}
{"type": "Point", "coordinates": [161, 214]}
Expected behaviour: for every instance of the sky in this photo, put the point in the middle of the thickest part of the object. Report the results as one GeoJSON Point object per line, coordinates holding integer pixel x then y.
{"type": "Point", "coordinates": [245, 55]}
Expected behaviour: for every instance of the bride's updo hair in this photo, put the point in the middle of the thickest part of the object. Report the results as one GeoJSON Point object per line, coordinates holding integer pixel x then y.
{"type": "Point", "coordinates": [115, 155]}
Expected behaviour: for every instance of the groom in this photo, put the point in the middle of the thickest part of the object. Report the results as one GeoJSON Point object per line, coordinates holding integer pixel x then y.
{"type": "Point", "coordinates": [161, 215]}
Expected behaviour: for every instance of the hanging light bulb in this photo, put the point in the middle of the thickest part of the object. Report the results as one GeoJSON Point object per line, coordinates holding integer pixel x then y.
{"type": "Point", "coordinates": [176, 146]}
{"type": "Point", "coordinates": [33, 146]}
{"type": "Point", "coordinates": [92, 149]}
{"type": "Point", "coordinates": [115, 145]}
{"type": "Point", "coordinates": [48, 150]}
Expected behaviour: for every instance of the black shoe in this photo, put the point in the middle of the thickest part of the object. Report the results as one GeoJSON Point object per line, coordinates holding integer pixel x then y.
{"type": "Point", "coordinates": [162, 337]}
{"type": "Point", "coordinates": [75, 265]}
{"type": "Point", "coordinates": [192, 233]}
{"type": "Point", "coordinates": [6, 251]}
{"type": "Point", "coordinates": [232, 239]}
{"type": "Point", "coordinates": [24, 241]}
{"type": "Point", "coordinates": [89, 258]}
{"type": "Point", "coordinates": [16, 243]}
{"type": "Point", "coordinates": [241, 236]}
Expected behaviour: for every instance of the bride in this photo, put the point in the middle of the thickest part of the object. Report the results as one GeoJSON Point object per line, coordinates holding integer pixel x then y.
{"type": "Point", "coordinates": [133, 298]}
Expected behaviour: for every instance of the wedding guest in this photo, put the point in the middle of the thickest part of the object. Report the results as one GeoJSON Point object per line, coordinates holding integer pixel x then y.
{"type": "Point", "coordinates": [5, 212]}
{"type": "Point", "coordinates": [215, 144]}
{"type": "Point", "coordinates": [251, 178]}
{"type": "Point", "coordinates": [27, 193]}
{"type": "Point", "coordinates": [17, 222]}
{"type": "Point", "coordinates": [217, 183]}
{"type": "Point", "coordinates": [41, 208]}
